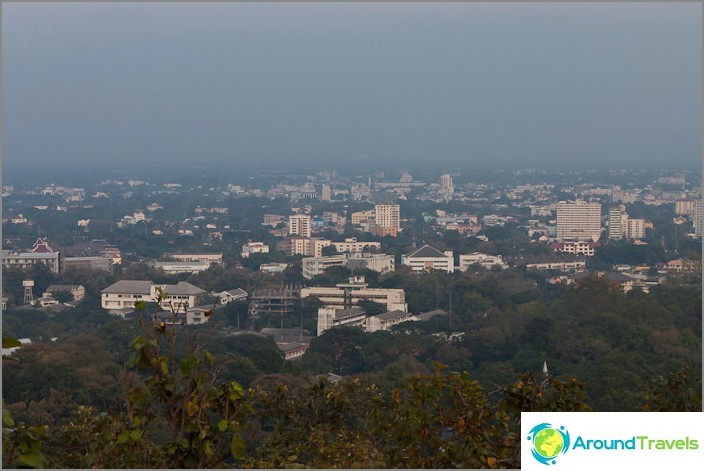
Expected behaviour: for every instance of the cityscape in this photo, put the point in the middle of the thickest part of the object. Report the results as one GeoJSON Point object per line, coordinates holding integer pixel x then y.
{"type": "Point", "coordinates": [291, 306]}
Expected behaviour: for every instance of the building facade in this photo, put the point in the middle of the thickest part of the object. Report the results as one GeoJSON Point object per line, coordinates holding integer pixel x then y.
{"type": "Point", "coordinates": [578, 221]}
{"type": "Point", "coordinates": [300, 225]}
{"type": "Point", "coordinates": [428, 258]}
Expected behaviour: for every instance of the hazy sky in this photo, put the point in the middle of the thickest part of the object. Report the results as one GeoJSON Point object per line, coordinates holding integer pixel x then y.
{"type": "Point", "coordinates": [456, 84]}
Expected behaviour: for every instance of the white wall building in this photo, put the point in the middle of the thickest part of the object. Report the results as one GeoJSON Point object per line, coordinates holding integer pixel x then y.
{"type": "Point", "coordinates": [428, 258]}
{"type": "Point", "coordinates": [352, 245]}
{"type": "Point", "coordinates": [346, 295]}
{"type": "Point", "coordinates": [254, 247]}
{"type": "Point", "coordinates": [314, 266]}
{"type": "Point", "coordinates": [299, 224]}
{"type": "Point", "coordinates": [578, 221]}
{"type": "Point", "coordinates": [635, 228]}
{"type": "Point", "coordinates": [125, 293]}
{"type": "Point", "coordinates": [387, 215]}
{"type": "Point", "coordinates": [486, 261]}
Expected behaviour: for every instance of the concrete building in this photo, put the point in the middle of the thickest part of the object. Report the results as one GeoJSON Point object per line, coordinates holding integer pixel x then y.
{"type": "Point", "coordinates": [254, 247]}
{"type": "Point", "coordinates": [360, 217]}
{"type": "Point", "coordinates": [230, 295]}
{"type": "Point", "coordinates": [300, 225]}
{"type": "Point", "coordinates": [685, 206]}
{"type": "Point", "coordinates": [41, 252]}
{"type": "Point", "coordinates": [575, 247]}
{"type": "Point", "coordinates": [380, 263]}
{"type": "Point", "coordinates": [174, 268]}
{"type": "Point", "coordinates": [212, 258]}
{"type": "Point", "coordinates": [346, 295]}
{"type": "Point", "coordinates": [310, 247]}
{"type": "Point", "coordinates": [125, 293]}
{"type": "Point", "coordinates": [351, 245]}
{"type": "Point", "coordinates": [484, 260]}
{"type": "Point", "coordinates": [387, 320]}
{"type": "Point", "coordinates": [428, 258]}
{"type": "Point", "coordinates": [87, 263]}
{"type": "Point", "coordinates": [326, 193]}
{"type": "Point", "coordinates": [387, 217]}
{"type": "Point", "coordinates": [617, 219]}
{"type": "Point", "coordinates": [635, 228]}
{"type": "Point", "coordinates": [698, 218]}
{"type": "Point", "coordinates": [446, 186]}
{"type": "Point", "coordinates": [78, 291]}
{"type": "Point", "coordinates": [314, 266]}
{"type": "Point", "coordinates": [329, 317]}
{"type": "Point", "coordinates": [578, 221]}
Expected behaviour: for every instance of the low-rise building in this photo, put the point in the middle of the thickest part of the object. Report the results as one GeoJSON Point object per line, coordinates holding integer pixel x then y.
{"type": "Point", "coordinates": [173, 268]}
{"type": "Point", "coordinates": [314, 266]}
{"type": "Point", "coordinates": [230, 295]}
{"type": "Point", "coordinates": [77, 291]}
{"type": "Point", "coordinates": [380, 263]}
{"type": "Point", "coordinates": [484, 260]}
{"type": "Point", "coordinates": [125, 293]}
{"type": "Point", "coordinates": [387, 320]}
{"type": "Point", "coordinates": [254, 247]}
{"type": "Point", "coordinates": [212, 258]}
{"type": "Point", "coordinates": [428, 258]}
{"type": "Point", "coordinates": [351, 245]}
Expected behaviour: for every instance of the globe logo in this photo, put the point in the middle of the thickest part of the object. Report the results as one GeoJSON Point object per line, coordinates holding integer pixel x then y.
{"type": "Point", "coordinates": [548, 442]}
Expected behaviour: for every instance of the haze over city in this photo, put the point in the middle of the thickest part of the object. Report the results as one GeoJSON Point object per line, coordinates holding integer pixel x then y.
{"type": "Point", "coordinates": [466, 86]}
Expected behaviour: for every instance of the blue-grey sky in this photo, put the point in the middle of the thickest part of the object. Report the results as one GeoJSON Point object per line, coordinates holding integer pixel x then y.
{"type": "Point", "coordinates": [322, 84]}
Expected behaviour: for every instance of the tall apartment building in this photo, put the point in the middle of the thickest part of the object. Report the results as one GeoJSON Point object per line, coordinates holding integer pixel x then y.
{"type": "Point", "coordinates": [698, 217]}
{"type": "Point", "coordinates": [635, 228]}
{"type": "Point", "coordinates": [617, 219]}
{"type": "Point", "coordinates": [388, 218]}
{"type": "Point", "coordinates": [326, 193]}
{"type": "Point", "coordinates": [299, 224]}
{"type": "Point", "coordinates": [446, 186]}
{"type": "Point", "coordinates": [578, 221]}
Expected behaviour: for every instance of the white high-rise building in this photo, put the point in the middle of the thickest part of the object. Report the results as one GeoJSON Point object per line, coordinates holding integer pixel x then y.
{"type": "Point", "coordinates": [299, 224]}
{"type": "Point", "coordinates": [616, 222]}
{"type": "Point", "coordinates": [387, 215]}
{"type": "Point", "coordinates": [326, 193]}
{"type": "Point", "coordinates": [446, 186]}
{"type": "Point", "coordinates": [578, 220]}
{"type": "Point", "coordinates": [698, 217]}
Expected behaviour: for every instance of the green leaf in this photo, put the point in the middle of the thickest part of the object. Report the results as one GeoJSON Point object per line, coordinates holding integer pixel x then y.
{"type": "Point", "coordinates": [33, 459]}
{"type": "Point", "coordinates": [10, 342]}
{"type": "Point", "coordinates": [237, 448]}
{"type": "Point", "coordinates": [135, 435]}
{"type": "Point", "coordinates": [122, 438]}
{"type": "Point", "coordinates": [7, 418]}
{"type": "Point", "coordinates": [222, 425]}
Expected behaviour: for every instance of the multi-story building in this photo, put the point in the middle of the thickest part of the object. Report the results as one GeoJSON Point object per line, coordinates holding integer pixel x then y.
{"type": "Point", "coordinates": [387, 217]}
{"type": "Point", "coordinates": [272, 220]}
{"type": "Point", "coordinates": [310, 247]}
{"type": "Point", "coordinates": [428, 258]}
{"type": "Point", "coordinates": [346, 295]}
{"type": "Point", "coordinates": [125, 293]}
{"type": "Point", "coordinates": [697, 217]}
{"type": "Point", "coordinates": [685, 206]}
{"type": "Point", "coordinates": [254, 247]}
{"type": "Point", "coordinates": [484, 260]}
{"type": "Point", "coordinates": [326, 193]}
{"type": "Point", "coordinates": [578, 221]}
{"type": "Point", "coordinates": [617, 219]}
{"type": "Point", "coordinates": [575, 247]}
{"type": "Point", "coordinates": [300, 225]}
{"type": "Point", "coordinates": [635, 228]}
{"type": "Point", "coordinates": [41, 252]}
{"type": "Point", "coordinates": [87, 263]}
{"type": "Point", "coordinates": [212, 258]}
{"type": "Point", "coordinates": [351, 245]}
{"type": "Point", "coordinates": [174, 268]}
{"type": "Point", "coordinates": [380, 263]}
{"type": "Point", "coordinates": [314, 266]}
{"type": "Point", "coordinates": [446, 186]}
{"type": "Point", "coordinates": [360, 217]}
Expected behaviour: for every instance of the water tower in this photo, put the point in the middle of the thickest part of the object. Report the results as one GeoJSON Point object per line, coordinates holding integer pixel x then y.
{"type": "Point", "coordinates": [28, 285]}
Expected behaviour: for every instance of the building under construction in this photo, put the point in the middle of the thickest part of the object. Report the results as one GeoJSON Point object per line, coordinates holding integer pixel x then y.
{"type": "Point", "coordinates": [274, 299]}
